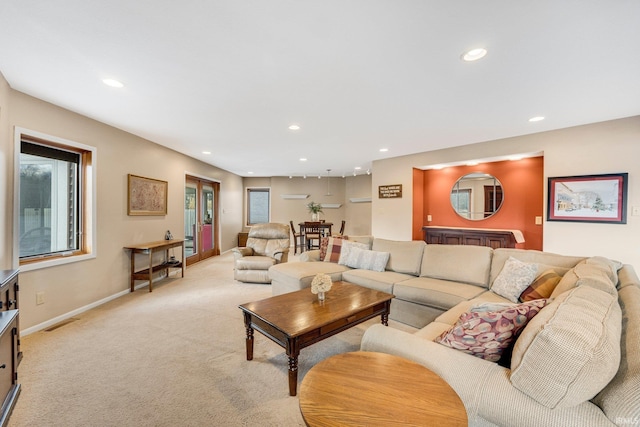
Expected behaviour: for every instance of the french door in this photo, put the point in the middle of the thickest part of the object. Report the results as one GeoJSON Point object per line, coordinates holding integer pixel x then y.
{"type": "Point", "coordinates": [201, 223]}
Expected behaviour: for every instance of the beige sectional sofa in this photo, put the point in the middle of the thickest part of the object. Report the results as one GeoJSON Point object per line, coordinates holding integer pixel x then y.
{"type": "Point", "coordinates": [576, 363]}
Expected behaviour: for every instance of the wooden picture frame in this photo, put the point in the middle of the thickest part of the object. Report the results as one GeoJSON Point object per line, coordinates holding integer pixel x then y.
{"type": "Point", "coordinates": [588, 198]}
{"type": "Point", "coordinates": [146, 196]}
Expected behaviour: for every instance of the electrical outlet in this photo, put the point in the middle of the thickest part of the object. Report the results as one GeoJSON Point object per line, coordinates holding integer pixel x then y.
{"type": "Point", "coordinates": [635, 211]}
{"type": "Point", "coordinates": [39, 298]}
{"type": "Point", "coordinates": [429, 218]}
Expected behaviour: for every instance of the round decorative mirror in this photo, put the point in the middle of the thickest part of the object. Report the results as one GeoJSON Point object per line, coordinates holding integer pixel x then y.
{"type": "Point", "coordinates": [476, 196]}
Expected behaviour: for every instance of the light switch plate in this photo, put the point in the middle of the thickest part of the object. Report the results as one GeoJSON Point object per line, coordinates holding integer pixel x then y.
{"type": "Point", "coordinates": [538, 220]}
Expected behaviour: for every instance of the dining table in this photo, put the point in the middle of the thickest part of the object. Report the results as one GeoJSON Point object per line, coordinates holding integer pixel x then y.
{"type": "Point", "coordinates": [325, 227]}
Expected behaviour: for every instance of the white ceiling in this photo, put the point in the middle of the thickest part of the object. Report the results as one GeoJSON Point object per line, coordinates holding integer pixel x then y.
{"type": "Point", "coordinates": [357, 75]}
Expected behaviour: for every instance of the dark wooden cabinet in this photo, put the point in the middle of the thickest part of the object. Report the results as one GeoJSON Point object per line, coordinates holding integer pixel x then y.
{"type": "Point", "coordinates": [469, 236]}
{"type": "Point", "coordinates": [10, 297]}
{"type": "Point", "coordinates": [9, 386]}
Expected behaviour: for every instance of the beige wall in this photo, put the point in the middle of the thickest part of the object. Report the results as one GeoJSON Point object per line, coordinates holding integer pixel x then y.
{"type": "Point", "coordinates": [599, 148]}
{"type": "Point", "coordinates": [356, 215]}
{"type": "Point", "coordinates": [74, 286]}
{"type": "Point", "coordinates": [6, 171]}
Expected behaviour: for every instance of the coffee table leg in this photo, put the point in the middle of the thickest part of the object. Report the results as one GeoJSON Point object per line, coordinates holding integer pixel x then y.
{"type": "Point", "coordinates": [293, 351]}
{"type": "Point", "coordinates": [293, 375]}
{"type": "Point", "coordinates": [249, 338]}
{"type": "Point", "coordinates": [385, 316]}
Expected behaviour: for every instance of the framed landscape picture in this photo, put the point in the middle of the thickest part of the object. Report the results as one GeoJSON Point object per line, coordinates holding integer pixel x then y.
{"type": "Point", "coordinates": [588, 198]}
{"type": "Point", "coordinates": [146, 196]}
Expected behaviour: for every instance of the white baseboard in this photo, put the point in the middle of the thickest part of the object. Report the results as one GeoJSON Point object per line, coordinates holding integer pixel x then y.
{"type": "Point", "coordinates": [63, 317]}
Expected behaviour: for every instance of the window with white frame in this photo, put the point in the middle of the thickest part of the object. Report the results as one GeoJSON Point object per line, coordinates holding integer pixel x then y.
{"type": "Point", "coordinates": [258, 200]}
{"type": "Point", "coordinates": [54, 200]}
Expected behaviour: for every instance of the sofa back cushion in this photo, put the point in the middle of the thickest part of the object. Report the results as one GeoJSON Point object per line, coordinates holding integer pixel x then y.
{"type": "Point", "coordinates": [458, 263]}
{"type": "Point", "coordinates": [545, 260]}
{"type": "Point", "coordinates": [571, 350]}
{"type": "Point", "coordinates": [597, 272]}
{"type": "Point", "coordinates": [620, 398]}
{"type": "Point", "coordinates": [404, 256]}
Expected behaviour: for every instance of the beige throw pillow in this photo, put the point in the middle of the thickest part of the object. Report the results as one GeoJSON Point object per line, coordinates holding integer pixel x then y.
{"type": "Point", "coordinates": [514, 278]}
{"type": "Point", "coordinates": [570, 350]}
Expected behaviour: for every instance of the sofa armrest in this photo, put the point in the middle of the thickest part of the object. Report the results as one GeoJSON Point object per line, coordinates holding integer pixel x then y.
{"type": "Point", "coordinates": [310, 256]}
{"type": "Point", "coordinates": [484, 387]}
{"type": "Point", "coordinates": [282, 255]}
{"type": "Point", "coordinates": [241, 252]}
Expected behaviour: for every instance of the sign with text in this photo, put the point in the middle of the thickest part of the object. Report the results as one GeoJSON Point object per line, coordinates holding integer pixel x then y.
{"type": "Point", "coordinates": [390, 191]}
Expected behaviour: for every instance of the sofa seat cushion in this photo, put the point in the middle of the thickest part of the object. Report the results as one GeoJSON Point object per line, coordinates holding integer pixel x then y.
{"type": "Point", "coordinates": [404, 257]}
{"type": "Point", "coordinates": [300, 274]}
{"type": "Point", "coordinates": [432, 330]}
{"type": "Point", "coordinates": [442, 294]}
{"type": "Point", "coordinates": [379, 280]}
{"type": "Point", "coordinates": [452, 315]}
{"type": "Point", "coordinates": [255, 262]}
{"type": "Point", "coordinates": [571, 350]}
{"type": "Point", "coordinates": [458, 263]}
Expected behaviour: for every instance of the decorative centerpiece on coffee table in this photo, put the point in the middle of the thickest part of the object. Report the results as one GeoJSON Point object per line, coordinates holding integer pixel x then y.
{"type": "Point", "coordinates": [320, 284]}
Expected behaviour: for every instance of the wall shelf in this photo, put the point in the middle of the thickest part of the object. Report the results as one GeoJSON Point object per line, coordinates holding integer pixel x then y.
{"type": "Point", "coordinates": [360, 199]}
{"type": "Point", "coordinates": [294, 196]}
{"type": "Point", "coordinates": [331, 205]}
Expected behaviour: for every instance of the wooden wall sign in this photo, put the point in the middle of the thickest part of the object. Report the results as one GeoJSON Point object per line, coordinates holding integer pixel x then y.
{"type": "Point", "coordinates": [390, 191]}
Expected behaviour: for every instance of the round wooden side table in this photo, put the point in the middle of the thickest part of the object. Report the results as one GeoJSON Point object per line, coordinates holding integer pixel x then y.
{"type": "Point", "coordinates": [369, 388]}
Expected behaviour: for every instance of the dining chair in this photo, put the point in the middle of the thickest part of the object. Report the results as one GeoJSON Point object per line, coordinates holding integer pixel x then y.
{"type": "Point", "coordinates": [298, 239]}
{"type": "Point", "coordinates": [312, 231]}
{"type": "Point", "coordinates": [342, 228]}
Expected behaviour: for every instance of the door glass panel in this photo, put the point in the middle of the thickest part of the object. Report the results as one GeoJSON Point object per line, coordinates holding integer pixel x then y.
{"type": "Point", "coordinates": [207, 215]}
{"type": "Point", "coordinates": [190, 219]}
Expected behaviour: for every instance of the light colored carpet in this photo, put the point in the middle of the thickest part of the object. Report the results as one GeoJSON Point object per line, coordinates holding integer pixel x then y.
{"type": "Point", "coordinates": [173, 357]}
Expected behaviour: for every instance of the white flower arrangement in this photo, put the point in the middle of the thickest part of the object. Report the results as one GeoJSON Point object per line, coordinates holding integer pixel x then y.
{"type": "Point", "coordinates": [321, 283]}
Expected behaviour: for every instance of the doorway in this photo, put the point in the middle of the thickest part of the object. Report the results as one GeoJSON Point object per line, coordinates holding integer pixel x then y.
{"type": "Point", "coordinates": [201, 223]}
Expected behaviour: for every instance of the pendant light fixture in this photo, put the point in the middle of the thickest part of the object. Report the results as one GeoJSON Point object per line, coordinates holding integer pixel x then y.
{"type": "Point", "coordinates": [328, 183]}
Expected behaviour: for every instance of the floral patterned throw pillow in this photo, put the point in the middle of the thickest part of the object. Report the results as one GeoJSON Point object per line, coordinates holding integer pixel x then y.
{"type": "Point", "coordinates": [487, 334]}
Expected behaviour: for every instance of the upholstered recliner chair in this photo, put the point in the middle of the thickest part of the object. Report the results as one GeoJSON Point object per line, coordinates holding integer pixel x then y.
{"type": "Point", "coordinates": [267, 245]}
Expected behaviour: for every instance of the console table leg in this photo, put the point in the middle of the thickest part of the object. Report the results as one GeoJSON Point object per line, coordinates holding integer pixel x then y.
{"type": "Point", "coordinates": [150, 270]}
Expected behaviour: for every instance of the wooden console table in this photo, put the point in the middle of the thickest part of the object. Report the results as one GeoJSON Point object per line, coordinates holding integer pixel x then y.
{"type": "Point", "coordinates": [472, 236]}
{"type": "Point", "coordinates": [149, 249]}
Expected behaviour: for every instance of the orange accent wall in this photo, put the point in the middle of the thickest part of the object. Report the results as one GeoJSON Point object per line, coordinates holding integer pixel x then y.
{"type": "Point", "coordinates": [522, 186]}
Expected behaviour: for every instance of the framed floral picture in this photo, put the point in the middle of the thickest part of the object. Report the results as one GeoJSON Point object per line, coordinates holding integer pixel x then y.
{"type": "Point", "coordinates": [588, 198]}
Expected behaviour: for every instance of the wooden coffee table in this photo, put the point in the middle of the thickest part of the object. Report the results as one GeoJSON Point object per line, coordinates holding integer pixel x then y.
{"type": "Point", "coordinates": [377, 389]}
{"type": "Point", "coordinates": [297, 319]}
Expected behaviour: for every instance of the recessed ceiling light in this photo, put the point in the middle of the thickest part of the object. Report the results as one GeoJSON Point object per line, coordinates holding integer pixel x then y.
{"type": "Point", "coordinates": [357, 168]}
{"type": "Point", "coordinates": [474, 54]}
{"type": "Point", "coordinates": [294, 127]}
{"type": "Point", "coordinates": [384, 150]}
{"type": "Point", "coordinates": [303, 159]}
{"type": "Point", "coordinates": [250, 173]}
{"type": "Point", "coordinates": [206, 152]}
{"type": "Point", "coordinates": [536, 119]}
{"type": "Point", "coordinates": [112, 83]}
